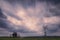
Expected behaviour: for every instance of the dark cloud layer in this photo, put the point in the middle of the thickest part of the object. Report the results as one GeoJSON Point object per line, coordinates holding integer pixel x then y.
{"type": "Point", "coordinates": [1, 14]}
{"type": "Point", "coordinates": [33, 1]}
{"type": "Point", "coordinates": [53, 28]}
{"type": "Point", "coordinates": [2, 22]}
{"type": "Point", "coordinates": [23, 2]}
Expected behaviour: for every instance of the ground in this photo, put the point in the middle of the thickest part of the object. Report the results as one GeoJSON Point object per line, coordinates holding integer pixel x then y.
{"type": "Point", "coordinates": [33, 38]}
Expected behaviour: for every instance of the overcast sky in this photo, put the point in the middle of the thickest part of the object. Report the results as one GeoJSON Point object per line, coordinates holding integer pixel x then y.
{"type": "Point", "coordinates": [28, 17]}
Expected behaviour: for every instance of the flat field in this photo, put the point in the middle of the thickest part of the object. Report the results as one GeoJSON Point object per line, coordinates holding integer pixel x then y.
{"type": "Point", "coordinates": [33, 38]}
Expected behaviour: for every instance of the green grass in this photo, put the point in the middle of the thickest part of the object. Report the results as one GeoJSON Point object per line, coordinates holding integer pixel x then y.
{"type": "Point", "coordinates": [29, 38]}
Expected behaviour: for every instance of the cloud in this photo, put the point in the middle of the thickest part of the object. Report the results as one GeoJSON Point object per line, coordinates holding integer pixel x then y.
{"type": "Point", "coordinates": [30, 17]}
{"type": "Point", "coordinates": [52, 20]}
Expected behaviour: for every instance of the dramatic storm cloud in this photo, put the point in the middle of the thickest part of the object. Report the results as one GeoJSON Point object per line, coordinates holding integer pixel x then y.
{"type": "Point", "coordinates": [28, 17]}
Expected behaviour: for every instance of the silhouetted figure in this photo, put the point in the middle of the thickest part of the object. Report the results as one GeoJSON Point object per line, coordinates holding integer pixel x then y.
{"type": "Point", "coordinates": [14, 34]}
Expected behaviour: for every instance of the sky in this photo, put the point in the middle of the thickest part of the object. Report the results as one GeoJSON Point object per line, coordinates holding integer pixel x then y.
{"type": "Point", "coordinates": [29, 17]}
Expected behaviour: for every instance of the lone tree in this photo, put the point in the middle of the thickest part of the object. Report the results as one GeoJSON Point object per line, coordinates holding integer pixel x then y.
{"type": "Point", "coordinates": [14, 34]}
{"type": "Point", "coordinates": [45, 28]}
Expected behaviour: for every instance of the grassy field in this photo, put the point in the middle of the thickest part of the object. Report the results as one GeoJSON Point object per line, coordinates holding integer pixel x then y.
{"type": "Point", "coordinates": [2, 38]}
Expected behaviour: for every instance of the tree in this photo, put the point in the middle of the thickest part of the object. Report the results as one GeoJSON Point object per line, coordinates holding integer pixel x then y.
{"type": "Point", "coordinates": [45, 28]}
{"type": "Point", "coordinates": [14, 34]}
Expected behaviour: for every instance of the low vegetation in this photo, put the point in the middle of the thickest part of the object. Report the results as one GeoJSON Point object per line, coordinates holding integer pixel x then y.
{"type": "Point", "coordinates": [30, 38]}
